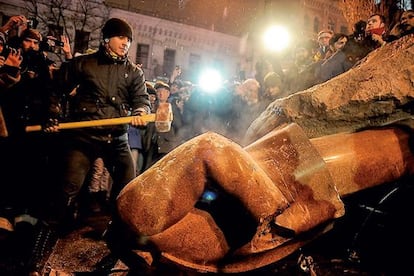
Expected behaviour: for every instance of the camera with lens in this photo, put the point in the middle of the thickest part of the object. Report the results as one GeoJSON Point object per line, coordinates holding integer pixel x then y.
{"type": "Point", "coordinates": [30, 23]}
{"type": "Point", "coordinates": [50, 44]}
{"type": "Point", "coordinates": [6, 50]}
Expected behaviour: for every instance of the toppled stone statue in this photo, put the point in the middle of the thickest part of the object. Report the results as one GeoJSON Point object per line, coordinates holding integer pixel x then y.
{"type": "Point", "coordinates": [213, 206]}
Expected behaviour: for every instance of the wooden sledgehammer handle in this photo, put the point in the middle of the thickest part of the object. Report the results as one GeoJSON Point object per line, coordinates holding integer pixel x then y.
{"type": "Point", "coordinates": [94, 123]}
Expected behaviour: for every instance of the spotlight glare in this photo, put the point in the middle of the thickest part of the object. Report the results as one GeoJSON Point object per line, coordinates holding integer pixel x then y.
{"type": "Point", "coordinates": [276, 38]}
{"type": "Point", "coordinates": [210, 80]}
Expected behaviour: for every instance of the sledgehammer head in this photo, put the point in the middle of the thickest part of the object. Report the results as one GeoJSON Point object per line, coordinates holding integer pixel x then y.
{"type": "Point", "coordinates": [163, 117]}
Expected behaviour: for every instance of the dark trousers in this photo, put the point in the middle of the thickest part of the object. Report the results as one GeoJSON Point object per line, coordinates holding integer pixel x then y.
{"type": "Point", "coordinates": [78, 158]}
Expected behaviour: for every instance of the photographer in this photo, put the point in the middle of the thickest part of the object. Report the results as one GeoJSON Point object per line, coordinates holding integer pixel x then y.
{"type": "Point", "coordinates": [10, 60]}
{"type": "Point", "coordinates": [14, 26]}
{"type": "Point", "coordinates": [25, 103]}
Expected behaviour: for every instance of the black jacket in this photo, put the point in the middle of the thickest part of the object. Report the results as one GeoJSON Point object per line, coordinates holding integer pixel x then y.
{"type": "Point", "coordinates": [107, 88]}
{"type": "Point", "coordinates": [28, 101]}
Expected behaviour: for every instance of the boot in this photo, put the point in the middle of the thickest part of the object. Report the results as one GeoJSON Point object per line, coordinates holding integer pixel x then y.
{"type": "Point", "coordinates": [23, 239]}
{"type": "Point", "coordinates": [44, 241]}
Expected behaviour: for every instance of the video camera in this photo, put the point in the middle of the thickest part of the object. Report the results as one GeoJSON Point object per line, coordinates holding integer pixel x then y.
{"type": "Point", "coordinates": [49, 44]}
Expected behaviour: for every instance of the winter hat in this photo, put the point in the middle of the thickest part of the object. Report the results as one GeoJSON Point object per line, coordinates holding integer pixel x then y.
{"type": "Point", "coordinates": [321, 33]}
{"type": "Point", "coordinates": [161, 84]}
{"type": "Point", "coordinates": [31, 33]}
{"type": "Point", "coordinates": [116, 27]}
{"type": "Point", "coordinates": [150, 88]}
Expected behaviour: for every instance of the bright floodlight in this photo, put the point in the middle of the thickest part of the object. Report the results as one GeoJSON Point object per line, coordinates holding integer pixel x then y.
{"type": "Point", "coordinates": [276, 38]}
{"type": "Point", "coordinates": [210, 80]}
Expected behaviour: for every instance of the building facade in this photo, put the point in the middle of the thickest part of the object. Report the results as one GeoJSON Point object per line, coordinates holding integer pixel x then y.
{"type": "Point", "coordinates": [194, 34]}
{"type": "Point", "coordinates": [159, 45]}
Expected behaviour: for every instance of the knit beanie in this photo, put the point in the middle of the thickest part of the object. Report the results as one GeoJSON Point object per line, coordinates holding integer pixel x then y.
{"type": "Point", "coordinates": [161, 84]}
{"type": "Point", "coordinates": [116, 27]}
{"type": "Point", "coordinates": [150, 88]}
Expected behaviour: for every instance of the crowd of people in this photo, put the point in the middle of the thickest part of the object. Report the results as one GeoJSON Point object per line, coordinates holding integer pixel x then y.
{"type": "Point", "coordinates": [331, 54]}
{"type": "Point", "coordinates": [56, 168]}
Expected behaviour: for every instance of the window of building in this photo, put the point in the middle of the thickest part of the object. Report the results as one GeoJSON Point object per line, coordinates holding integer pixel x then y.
{"type": "Point", "coordinates": [169, 61]}
{"type": "Point", "coordinates": [316, 25]}
{"type": "Point", "coordinates": [81, 41]}
{"type": "Point", "coordinates": [194, 67]}
{"type": "Point", "coordinates": [331, 25]}
{"type": "Point", "coordinates": [306, 22]}
{"type": "Point", "coordinates": [142, 55]}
